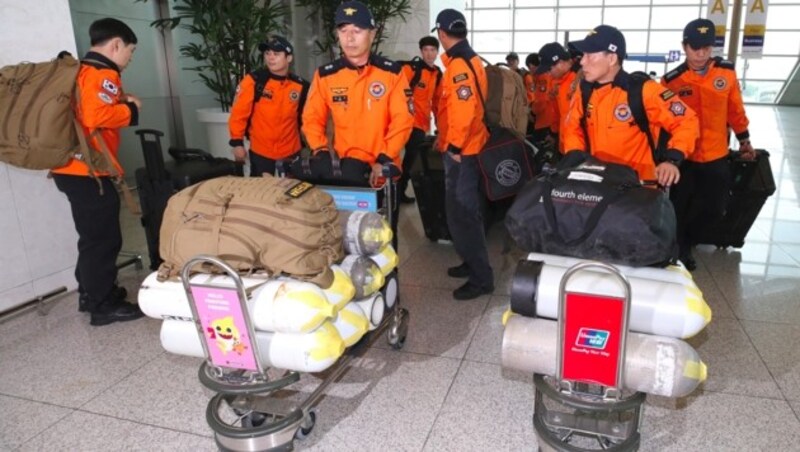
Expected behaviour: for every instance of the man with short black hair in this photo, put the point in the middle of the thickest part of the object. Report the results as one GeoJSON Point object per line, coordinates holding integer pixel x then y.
{"type": "Point", "coordinates": [423, 78]}
{"type": "Point", "coordinates": [271, 118]}
{"type": "Point", "coordinates": [512, 60]}
{"type": "Point", "coordinates": [557, 62]}
{"type": "Point", "coordinates": [711, 88]}
{"type": "Point", "coordinates": [462, 135]}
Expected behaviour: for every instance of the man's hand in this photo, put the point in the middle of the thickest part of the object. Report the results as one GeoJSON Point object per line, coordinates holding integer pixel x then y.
{"type": "Point", "coordinates": [746, 150]}
{"type": "Point", "coordinates": [132, 99]}
{"type": "Point", "coordinates": [456, 157]}
{"type": "Point", "coordinates": [239, 153]}
{"type": "Point", "coordinates": [667, 174]}
{"type": "Point", "coordinates": [376, 174]}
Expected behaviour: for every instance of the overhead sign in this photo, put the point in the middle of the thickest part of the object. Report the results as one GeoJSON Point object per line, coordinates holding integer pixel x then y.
{"type": "Point", "coordinates": [718, 13]}
{"type": "Point", "coordinates": [755, 26]}
{"type": "Point", "coordinates": [673, 56]}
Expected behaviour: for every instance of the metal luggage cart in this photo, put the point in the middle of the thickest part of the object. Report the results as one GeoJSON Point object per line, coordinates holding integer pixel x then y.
{"type": "Point", "coordinates": [265, 420]}
{"type": "Point", "coordinates": [584, 407]}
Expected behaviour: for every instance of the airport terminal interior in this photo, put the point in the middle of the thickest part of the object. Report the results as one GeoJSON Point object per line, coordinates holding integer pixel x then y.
{"type": "Point", "coordinates": [69, 386]}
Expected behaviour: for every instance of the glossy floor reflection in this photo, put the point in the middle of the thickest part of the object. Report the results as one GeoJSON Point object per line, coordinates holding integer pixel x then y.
{"type": "Point", "coordinates": [65, 385]}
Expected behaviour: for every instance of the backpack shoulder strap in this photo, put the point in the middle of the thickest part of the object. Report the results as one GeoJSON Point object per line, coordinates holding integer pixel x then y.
{"type": "Point", "coordinates": [636, 104]}
{"type": "Point", "coordinates": [261, 77]}
{"type": "Point", "coordinates": [586, 94]}
{"type": "Point", "coordinates": [415, 64]}
{"type": "Point", "coordinates": [478, 86]}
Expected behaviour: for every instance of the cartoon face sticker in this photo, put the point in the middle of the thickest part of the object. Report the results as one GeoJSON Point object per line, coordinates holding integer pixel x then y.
{"type": "Point", "coordinates": [677, 108]}
{"type": "Point", "coordinates": [226, 335]}
{"type": "Point", "coordinates": [622, 112]}
{"type": "Point", "coordinates": [720, 83]}
{"type": "Point", "coordinates": [377, 89]}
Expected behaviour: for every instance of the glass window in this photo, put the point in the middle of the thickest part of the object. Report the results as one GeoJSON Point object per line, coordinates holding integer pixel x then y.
{"type": "Point", "coordinates": [535, 19]}
{"type": "Point", "coordinates": [580, 18]}
{"type": "Point", "coordinates": [760, 91]}
{"type": "Point", "coordinates": [492, 19]}
{"type": "Point", "coordinates": [622, 18]}
{"type": "Point", "coordinates": [774, 68]}
{"type": "Point", "coordinates": [673, 17]}
{"type": "Point", "coordinates": [536, 3]}
{"type": "Point", "coordinates": [485, 42]}
{"type": "Point", "coordinates": [491, 3]}
{"type": "Point", "coordinates": [661, 42]}
{"type": "Point", "coordinates": [528, 42]}
{"type": "Point", "coordinates": [782, 42]}
{"type": "Point", "coordinates": [781, 17]}
{"type": "Point", "coordinates": [636, 41]}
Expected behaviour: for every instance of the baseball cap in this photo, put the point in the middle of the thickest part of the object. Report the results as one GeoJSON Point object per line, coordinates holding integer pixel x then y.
{"type": "Point", "coordinates": [356, 13]}
{"type": "Point", "coordinates": [450, 20]}
{"type": "Point", "coordinates": [699, 33]}
{"type": "Point", "coordinates": [603, 38]}
{"type": "Point", "coordinates": [549, 55]}
{"type": "Point", "coordinates": [276, 44]}
{"type": "Point", "coordinates": [512, 56]}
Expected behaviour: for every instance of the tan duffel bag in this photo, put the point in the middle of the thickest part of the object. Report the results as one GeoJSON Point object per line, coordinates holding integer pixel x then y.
{"type": "Point", "coordinates": [283, 226]}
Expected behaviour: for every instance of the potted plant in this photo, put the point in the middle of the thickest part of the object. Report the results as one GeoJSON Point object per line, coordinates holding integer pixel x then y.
{"type": "Point", "coordinates": [382, 10]}
{"type": "Point", "coordinates": [225, 36]}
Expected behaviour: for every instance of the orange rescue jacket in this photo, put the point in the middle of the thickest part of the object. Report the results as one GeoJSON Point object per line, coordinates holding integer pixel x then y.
{"type": "Point", "coordinates": [371, 108]}
{"type": "Point", "coordinates": [543, 103]}
{"type": "Point", "coordinates": [717, 99]}
{"type": "Point", "coordinates": [98, 107]}
{"type": "Point", "coordinates": [274, 122]}
{"type": "Point", "coordinates": [614, 137]}
{"type": "Point", "coordinates": [460, 120]}
{"type": "Point", "coordinates": [424, 93]}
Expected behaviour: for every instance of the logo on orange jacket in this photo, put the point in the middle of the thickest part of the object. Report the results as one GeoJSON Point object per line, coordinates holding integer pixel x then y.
{"type": "Point", "coordinates": [294, 95]}
{"type": "Point", "coordinates": [622, 112]}
{"type": "Point", "coordinates": [377, 89]}
{"type": "Point", "coordinates": [677, 108]}
{"type": "Point", "coordinates": [720, 83]}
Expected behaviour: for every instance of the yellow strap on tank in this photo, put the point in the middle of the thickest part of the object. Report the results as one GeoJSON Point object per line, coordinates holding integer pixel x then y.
{"type": "Point", "coordinates": [378, 235]}
{"type": "Point", "coordinates": [698, 305]}
{"type": "Point", "coordinates": [681, 270]}
{"type": "Point", "coordinates": [506, 315]}
{"type": "Point", "coordinates": [357, 321]}
{"type": "Point", "coordinates": [696, 370]}
{"type": "Point", "coordinates": [329, 343]}
{"type": "Point", "coordinates": [374, 282]}
{"type": "Point", "coordinates": [319, 305]}
{"type": "Point", "coordinates": [342, 286]}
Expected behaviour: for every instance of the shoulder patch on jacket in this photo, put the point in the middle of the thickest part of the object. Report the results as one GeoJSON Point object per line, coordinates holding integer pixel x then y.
{"type": "Point", "coordinates": [331, 68]}
{"type": "Point", "coordinates": [460, 77]}
{"type": "Point", "coordinates": [667, 94]}
{"type": "Point", "coordinates": [298, 79]}
{"type": "Point", "coordinates": [385, 64]}
{"type": "Point", "coordinates": [675, 73]}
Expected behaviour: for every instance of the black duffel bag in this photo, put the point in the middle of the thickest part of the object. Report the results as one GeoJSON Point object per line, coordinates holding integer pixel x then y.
{"type": "Point", "coordinates": [326, 168]}
{"type": "Point", "coordinates": [595, 210]}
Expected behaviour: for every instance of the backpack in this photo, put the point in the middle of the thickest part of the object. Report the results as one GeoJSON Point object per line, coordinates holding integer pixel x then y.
{"type": "Point", "coordinates": [281, 225]}
{"type": "Point", "coordinates": [506, 101]}
{"type": "Point", "coordinates": [38, 127]}
{"type": "Point", "coordinates": [636, 104]}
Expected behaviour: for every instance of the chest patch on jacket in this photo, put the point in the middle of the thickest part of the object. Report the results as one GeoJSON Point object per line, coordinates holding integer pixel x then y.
{"type": "Point", "coordinates": [377, 89]}
{"type": "Point", "coordinates": [464, 92]}
{"type": "Point", "coordinates": [622, 112]}
{"type": "Point", "coordinates": [720, 83]}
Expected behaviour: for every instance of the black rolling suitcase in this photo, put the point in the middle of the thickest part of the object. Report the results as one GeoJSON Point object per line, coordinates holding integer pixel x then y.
{"type": "Point", "coordinates": [427, 177]}
{"type": "Point", "coordinates": [751, 186]}
{"type": "Point", "coordinates": [158, 180]}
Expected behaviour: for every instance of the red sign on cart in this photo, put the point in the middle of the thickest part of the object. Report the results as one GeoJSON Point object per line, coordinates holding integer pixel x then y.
{"type": "Point", "coordinates": [223, 322]}
{"type": "Point", "coordinates": [592, 333]}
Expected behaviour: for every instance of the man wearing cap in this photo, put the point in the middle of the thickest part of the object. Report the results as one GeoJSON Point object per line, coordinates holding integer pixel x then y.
{"type": "Point", "coordinates": [267, 109]}
{"type": "Point", "coordinates": [462, 135]}
{"type": "Point", "coordinates": [557, 62]}
{"type": "Point", "coordinates": [531, 62]}
{"type": "Point", "coordinates": [605, 126]}
{"type": "Point", "coordinates": [512, 60]}
{"type": "Point", "coordinates": [366, 95]}
{"type": "Point", "coordinates": [710, 87]}
{"type": "Point", "coordinates": [423, 78]}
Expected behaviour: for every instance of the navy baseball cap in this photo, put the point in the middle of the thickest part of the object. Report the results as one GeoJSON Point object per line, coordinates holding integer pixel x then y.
{"type": "Point", "coordinates": [512, 56]}
{"type": "Point", "coordinates": [549, 55]}
{"type": "Point", "coordinates": [699, 33]}
{"type": "Point", "coordinates": [355, 13]}
{"type": "Point", "coordinates": [276, 44]}
{"type": "Point", "coordinates": [450, 20]}
{"type": "Point", "coordinates": [604, 38]}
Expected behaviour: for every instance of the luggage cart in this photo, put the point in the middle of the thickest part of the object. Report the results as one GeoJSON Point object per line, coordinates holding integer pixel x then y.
{"type": "Point", "coordinates": [265, 421]}
{"type": "Point", "coordinates": [585, 403]}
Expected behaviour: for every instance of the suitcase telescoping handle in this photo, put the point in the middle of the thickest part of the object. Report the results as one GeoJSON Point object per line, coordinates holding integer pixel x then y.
{"type": "Point", "coordinates": [153, 156]}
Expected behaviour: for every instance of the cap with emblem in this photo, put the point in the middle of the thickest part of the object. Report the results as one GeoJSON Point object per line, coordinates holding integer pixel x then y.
{"type": "Point", "coordinates": [450, 20]}
{"type": "Point", "coordinates": [355, 13]}
{"type": "Point", "coordinates": [276, 44]}
{"type": "Point", "coordinates": [604, 38]}
{"type": "Point", "coordinates": [549, 55]}
{"type": "Point", "coordinates": [699, 33]}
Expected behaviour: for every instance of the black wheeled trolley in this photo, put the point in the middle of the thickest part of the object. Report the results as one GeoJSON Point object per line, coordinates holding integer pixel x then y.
{"type": "Point", "coordinates": [583, 407]}
{"type": "Point", "coordinates": [248, 411]}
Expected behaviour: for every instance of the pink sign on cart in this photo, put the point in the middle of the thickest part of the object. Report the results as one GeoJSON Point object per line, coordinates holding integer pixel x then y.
{"type": "Point", "coordinates": [223, 322]}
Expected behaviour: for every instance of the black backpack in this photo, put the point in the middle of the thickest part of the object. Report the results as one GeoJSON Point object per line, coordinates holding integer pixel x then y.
{"type": "Point", "coordinates": [418, 65]}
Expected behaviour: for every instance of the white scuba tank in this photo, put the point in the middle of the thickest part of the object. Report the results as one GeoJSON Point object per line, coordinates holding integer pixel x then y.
{"type": "Point", "coordinates": [653, 364]}
{"type": "Point", "coordinates": [351, 323]}
{"type": "Point", "coordinates": [341, 290]}
{"type": "Point", "coordinates": [288, 306]}
{"type": "Point", "coordinates": [365, 274]}
{"type": "Point", "coordinates": [386, 259]}
{"type": "Point", "coordinates": [374, 307]}
{"type": "Point", "coordinates": [364, 232]}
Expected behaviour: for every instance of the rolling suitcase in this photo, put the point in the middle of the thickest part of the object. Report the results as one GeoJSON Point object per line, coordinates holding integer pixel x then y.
{"type": "Point", "coordinates": [427, 177]}
{"type": "Point", "coordinates": [158, 180]}
{"type": "Point", "coordinates": [752, 184]}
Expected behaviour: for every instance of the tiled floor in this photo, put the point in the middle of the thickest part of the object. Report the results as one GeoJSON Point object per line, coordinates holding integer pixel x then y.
{"type": "Point", "coordinates": [65, 385]}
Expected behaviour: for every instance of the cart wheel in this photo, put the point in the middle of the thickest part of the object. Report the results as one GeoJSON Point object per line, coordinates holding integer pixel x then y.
{"type": "Point", "coordinates": [397, 342]}
{"type": "Point", "coordinates": [307, 425]}
{"type": "Point", "coordinates": [253, 419]}
{"type": "Point", "coordinates": [398, 330]}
